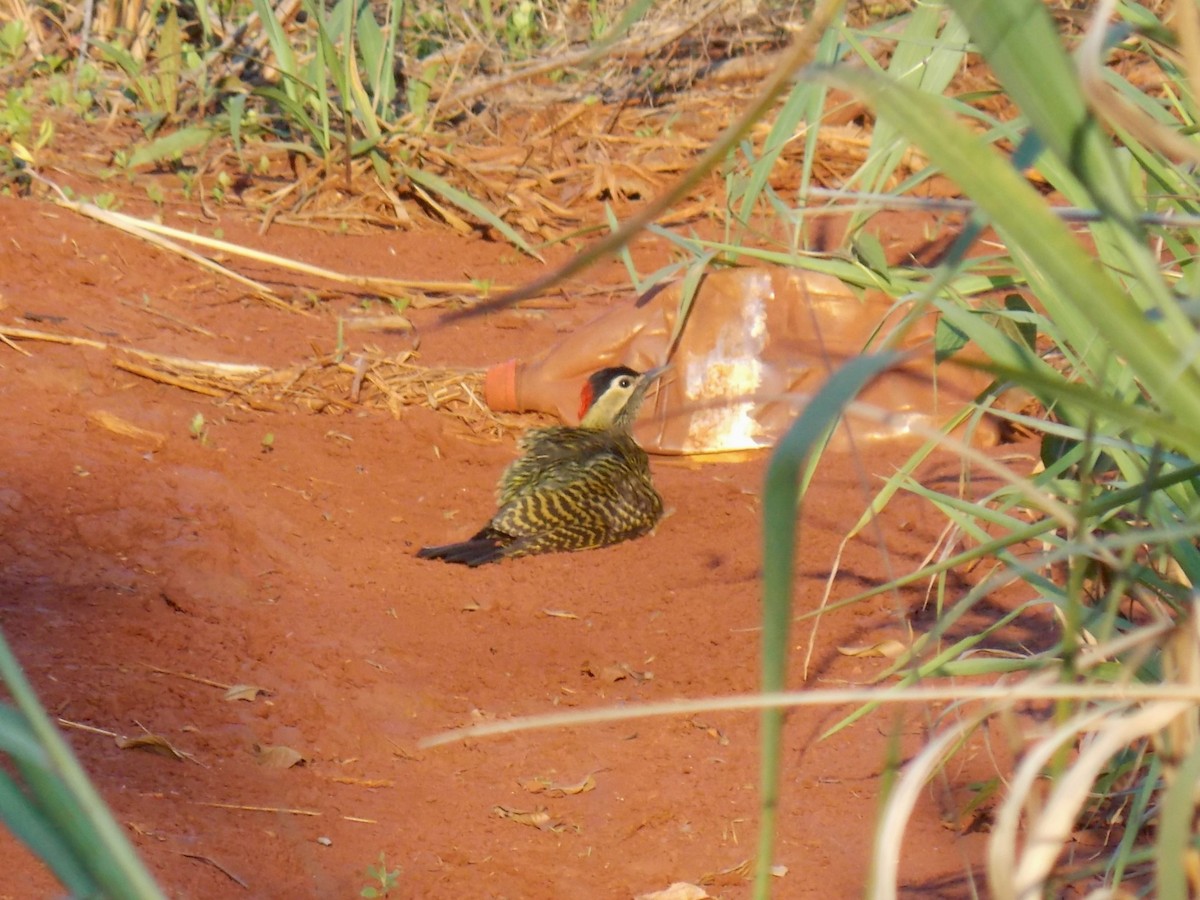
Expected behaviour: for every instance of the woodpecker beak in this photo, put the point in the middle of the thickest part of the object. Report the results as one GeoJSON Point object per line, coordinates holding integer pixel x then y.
{"type": "Point", "coordinates": [647, 381]}
{"type": "Point", "coordinates": [650, 379]}
{"type": "Point", "coordinates": [654, 374]}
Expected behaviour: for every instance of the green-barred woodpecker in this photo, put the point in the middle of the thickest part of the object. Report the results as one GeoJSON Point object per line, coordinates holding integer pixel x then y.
{"type": "Point", "coordinates": [572, 488]}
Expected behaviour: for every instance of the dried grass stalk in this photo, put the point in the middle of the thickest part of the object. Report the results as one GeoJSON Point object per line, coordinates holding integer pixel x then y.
{"type": "Point", "coordinates": [331, 383]}
{"type": "Point", "coordinates": [337, 383]}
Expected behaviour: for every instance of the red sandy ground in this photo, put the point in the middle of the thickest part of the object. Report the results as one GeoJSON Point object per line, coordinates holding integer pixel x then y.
{"type": "Point", "coordinates": [294, 569]}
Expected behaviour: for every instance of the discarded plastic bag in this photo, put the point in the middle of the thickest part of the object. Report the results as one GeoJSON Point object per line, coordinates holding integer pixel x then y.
{"type": "Point", "coordinates": [756, 343]}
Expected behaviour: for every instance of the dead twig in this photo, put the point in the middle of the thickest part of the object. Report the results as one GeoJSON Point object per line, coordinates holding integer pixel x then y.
{"type": "Point", "coordinates": [241, 807]}
{"type": "Point", "coordinates": [216, 865]}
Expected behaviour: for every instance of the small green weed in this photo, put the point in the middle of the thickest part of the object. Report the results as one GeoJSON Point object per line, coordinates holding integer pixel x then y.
{"type": "Point", "coordinates": [155, 193]}
{"type": "Point", "coordinates": [199, 429]}
{"type": "Point", "coordinates": [16, 117]}
{"type": "Point", "coordinates": [12, 41]}
{"type": "Point", "coordinates": [382, 881]}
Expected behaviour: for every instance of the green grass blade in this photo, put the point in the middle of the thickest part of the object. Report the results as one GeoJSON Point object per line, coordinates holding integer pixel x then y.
{"type": "Point", "coordinates": [236, 110]}
{"type": "Point", "coordinates": [804, 103]}
{"type": "Point", "coordinates": [928, 54]}
{"type": "Point", "coordinates": [281, 47]}
{"type": "Point", "coordinates": [297, 115]}
{"type": "Point", "coordinates": [780, 511]}
{"type": "Point", "coordinates": [1021, 213]}
{"type": "Point", "coordinates": [631, 15]}
{"type": "Point", "coordinates": [371, 41]}
{"type": "Point", "coordinates": [122, 57]}
{"type": "Point", "coordinates": [468, 203]}
{"type": "Point", "coordinates": [16, 741]}
{"type": "Point", "coordinates": [1021, 45]}
{"type": "Point", "coordinates": [687, 294]}
{"type": "Point", "coordinates": [170, 146]}
{"type": "Point", "coordinates": [22, 814]}
{"type": "Point", "coordinates": [1136, 819]}
{"type": "Point", "coordinates": [105, 852]}
{"type": "Point", "coordinates": [1175, 828]}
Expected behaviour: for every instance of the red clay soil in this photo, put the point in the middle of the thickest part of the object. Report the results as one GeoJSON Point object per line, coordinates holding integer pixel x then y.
{"type": "Point", "coordinates": [139, 580]}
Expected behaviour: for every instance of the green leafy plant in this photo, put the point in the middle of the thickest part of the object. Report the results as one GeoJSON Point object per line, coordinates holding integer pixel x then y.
{"type": "Point", "coordinates": [338, 90]}
{"type": "Point", "coordinates": [198, 428]}
{"type": "Point", "coordinates": [383, 881]}
{"type": "Point", "coordinates": [13, 35]}
{"type": "Point", "coordinates": [156, 86]}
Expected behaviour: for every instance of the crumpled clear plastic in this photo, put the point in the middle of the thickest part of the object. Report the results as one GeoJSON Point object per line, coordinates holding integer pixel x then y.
{"type": "Point", "coordinates": [757, 342]}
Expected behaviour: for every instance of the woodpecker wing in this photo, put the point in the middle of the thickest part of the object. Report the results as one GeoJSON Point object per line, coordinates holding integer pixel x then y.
{"type": "Point", "coordinates": [596, 492]}
{"type": "Point", "coordinates": [551, 458]}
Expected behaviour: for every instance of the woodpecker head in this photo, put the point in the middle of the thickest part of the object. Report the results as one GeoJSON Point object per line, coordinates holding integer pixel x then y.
{"type": "Point", "coordinates": [611, 397]}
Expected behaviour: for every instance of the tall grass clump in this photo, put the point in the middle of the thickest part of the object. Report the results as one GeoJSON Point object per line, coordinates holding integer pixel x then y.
{"type": "Point", "coordinates": [1103, 532]}
{"type": "Point", "coordinates": [47, 801]}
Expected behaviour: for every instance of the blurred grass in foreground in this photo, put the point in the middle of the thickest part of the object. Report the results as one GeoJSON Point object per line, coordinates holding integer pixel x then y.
{"type": "Point", "coordinates": [1097, 321]}
{"type": "Point", "coordinates": [1113, 509]}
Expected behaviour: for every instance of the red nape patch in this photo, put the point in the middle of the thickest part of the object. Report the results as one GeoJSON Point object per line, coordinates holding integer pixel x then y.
{"type": "Point", "coordinates": [586, 396]}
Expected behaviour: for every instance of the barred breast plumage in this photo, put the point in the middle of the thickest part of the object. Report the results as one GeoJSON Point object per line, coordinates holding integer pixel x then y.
{"type": "Point", "coordinates": [572, 488]}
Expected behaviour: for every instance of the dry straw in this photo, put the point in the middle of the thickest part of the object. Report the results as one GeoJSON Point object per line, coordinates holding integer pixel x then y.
{"type": "Point", "coordinates": [329, 384]}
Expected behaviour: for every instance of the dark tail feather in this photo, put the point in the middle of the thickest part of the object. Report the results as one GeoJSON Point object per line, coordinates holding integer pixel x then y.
{"type": "Point", "coordinates": [485, 546]}
{"type": "Point", "coordinates": [474, 552]}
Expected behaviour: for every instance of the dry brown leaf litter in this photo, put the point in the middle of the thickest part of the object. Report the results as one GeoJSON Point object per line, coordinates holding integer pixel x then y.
{"type": "Point", "coordinates": [152, 743]}
{"type": "Point", "coordinates": [539, 818]}
{"type": "Point", "coordinates": [277, 757]}
{"type": "Point", "coordinates": [542, 785]}
{"type": "Point", "coordinates": [888, 649]}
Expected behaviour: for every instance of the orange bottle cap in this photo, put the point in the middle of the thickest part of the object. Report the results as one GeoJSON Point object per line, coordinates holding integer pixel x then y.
{"type": "Point", "coordinates": [500, 387]}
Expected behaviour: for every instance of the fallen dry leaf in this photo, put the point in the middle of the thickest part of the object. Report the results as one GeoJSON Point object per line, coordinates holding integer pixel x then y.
{"type": "Point", "coordinates": [401, 752]}
{"type": "Point", "coordinates": [126, 429]}
{"type": "Point", "coordinates": [680, 890]}
{"type": "Point", "coordinates": [559, 614]}
{"type": "Point", "coordinates": [542, 785]}
{"type": "Point", "coordinates": [377, 323]}
{"type": "Point", "coordinates": [639, 677]}
{"type": "Point", "coordinates": [245, 692]}
{"type": "Point", "coordinates": [538, 818]}
{"type": "Point", "coordinates": [712, 731]}
{"type": "Point", "coordinates": [277, 757]}
{"type": "Point", "coordinates": [535, 785]}
{"type": "Point", "coordinates": [615, 673]}
{"type": "Point", "coordinates": [743, 871]}
{"type": "Point", "coordinates": [611, 674]}
{"type": "Point", "coordinates": [891, 649]}
{"type": "Point", "coordinates": [364, 782]}
{"type": "Point", "coordinates": [152, 742]}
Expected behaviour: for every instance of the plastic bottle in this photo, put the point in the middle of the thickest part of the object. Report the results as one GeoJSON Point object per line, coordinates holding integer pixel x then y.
{"type": "Point", "coordinates": [755, 342]}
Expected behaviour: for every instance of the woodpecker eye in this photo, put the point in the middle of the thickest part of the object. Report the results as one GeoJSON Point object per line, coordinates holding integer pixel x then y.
{"type": "Point", "coordinates": [625, 381]}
